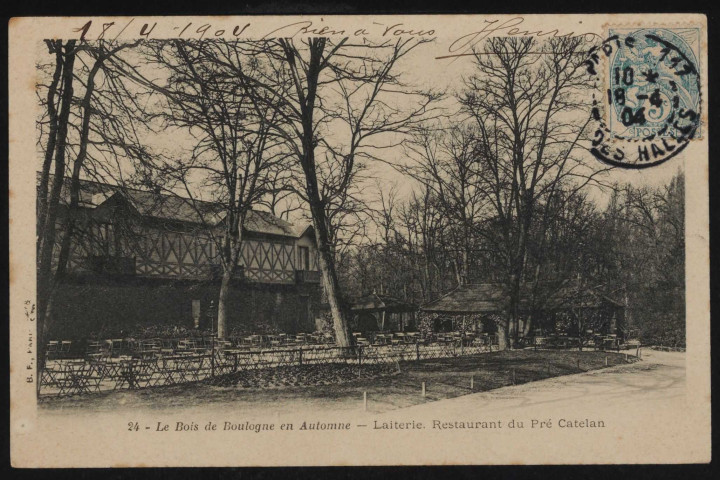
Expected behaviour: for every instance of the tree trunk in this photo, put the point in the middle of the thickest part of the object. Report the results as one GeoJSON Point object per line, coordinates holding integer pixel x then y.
{"type": "Point", "coordinates": [232, 249]}
{"type": "Point", "coordinates": [55, 46]}
{"type": "Point", "coordinates": [502, 332]}
{"type": "Point", "coordinates": [46, 236]}
{"type": "Point", "coordinates": [514, 319]}
{"type": "Point", "coordinates": [528, 326]}
{"type": "Point", "coordinates": [330, 280]}
{"type": "Point", "coordinates": [306, 97]}
{"type": "Point", "coordinates": [223, 303]}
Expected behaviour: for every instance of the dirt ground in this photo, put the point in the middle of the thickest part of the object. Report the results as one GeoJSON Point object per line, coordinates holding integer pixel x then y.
{"type": "Point", "coordinates": [444, 378]}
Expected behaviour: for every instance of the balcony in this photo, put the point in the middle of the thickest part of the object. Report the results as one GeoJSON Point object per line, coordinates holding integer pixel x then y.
{"type": "Point", "coordinates": [307, 276]}
{"type": "Point", "coordinates": [216, 272]}
{"type": "Point", "coordinates": [111, 265]}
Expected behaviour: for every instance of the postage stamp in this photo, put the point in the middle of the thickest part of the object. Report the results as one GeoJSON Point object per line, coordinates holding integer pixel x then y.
{"type": "Point", "coordinates": [653, 95]}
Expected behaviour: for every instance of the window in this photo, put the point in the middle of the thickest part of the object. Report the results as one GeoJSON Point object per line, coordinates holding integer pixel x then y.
{"type": "Point", "coordinates": [304, 260]}
{"type": "Point", "coordinates": [107, 239]}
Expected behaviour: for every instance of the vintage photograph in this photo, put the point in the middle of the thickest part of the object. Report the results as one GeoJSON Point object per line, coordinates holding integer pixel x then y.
{"type": "Point", "coordinates": [383, 232]}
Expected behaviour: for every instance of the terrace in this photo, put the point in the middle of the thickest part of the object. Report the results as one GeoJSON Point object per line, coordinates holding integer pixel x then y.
{"type": "Point", "coordinates": [116, 364]}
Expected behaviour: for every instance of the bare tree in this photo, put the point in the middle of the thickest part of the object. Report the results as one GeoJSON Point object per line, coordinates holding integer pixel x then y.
{"type": "Point", "coordinates": [525, 100]}
{"type": "Point", "coordinates": [339, 87]}
{"type": "Point", "coordinates": [235, 160]}
{"type": "Point", "coordinates": [55, 152]}
{"type": "Point", "coordinates": [647, 266]}
{"type": "Point", "coordinates": [86, 129]}
{"type": "Point", "coordinates": [444, 161]}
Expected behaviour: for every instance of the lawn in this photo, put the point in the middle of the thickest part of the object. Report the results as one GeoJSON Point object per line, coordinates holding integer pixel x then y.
{"type": "Point", "coordinates": [444, 378]}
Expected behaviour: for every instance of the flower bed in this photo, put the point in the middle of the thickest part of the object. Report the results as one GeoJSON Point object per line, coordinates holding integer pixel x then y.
{"type": "Point", "coordinates": [301, 375]}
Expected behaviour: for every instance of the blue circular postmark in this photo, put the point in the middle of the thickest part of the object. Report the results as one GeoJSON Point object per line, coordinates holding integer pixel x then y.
{"type": "Point", "coordinates": [652, 98]}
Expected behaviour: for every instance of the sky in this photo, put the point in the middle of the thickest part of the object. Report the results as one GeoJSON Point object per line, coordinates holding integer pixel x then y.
{"type": "Point", "coordinates": [423, 70]}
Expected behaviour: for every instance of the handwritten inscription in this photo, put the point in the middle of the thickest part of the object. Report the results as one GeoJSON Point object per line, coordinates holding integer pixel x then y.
{"type": "Point", "coordinates": [460, 46]}
{"type": "Point", "coordinates": [466, 44]}
{"type": "Point", "coordinates": [91, 30]}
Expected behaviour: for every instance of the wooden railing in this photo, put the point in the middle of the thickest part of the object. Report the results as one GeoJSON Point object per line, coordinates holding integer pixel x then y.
{"type": "Point", "coordinates": [307, 276]}
{"type": "Point", "coordinates": [111, 265]}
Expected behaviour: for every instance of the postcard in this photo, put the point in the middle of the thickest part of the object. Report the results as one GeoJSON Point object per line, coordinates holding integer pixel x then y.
{"type": "Point", "coordinates": [359, 240]}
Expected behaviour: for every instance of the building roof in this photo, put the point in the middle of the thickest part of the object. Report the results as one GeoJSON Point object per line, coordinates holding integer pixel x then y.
{"type": "Point", "coordinates": [493, 298]}
{"type": "Point", "coordinates": [176, 208]}
{"type": "Point", "coordinates": [470, 298]}
{"type": "Point", "coordinates": [378, 302]}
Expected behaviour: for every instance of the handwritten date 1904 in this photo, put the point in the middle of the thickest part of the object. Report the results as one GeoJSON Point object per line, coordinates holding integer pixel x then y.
{"type": "Point", "coordinates": [111, 30]}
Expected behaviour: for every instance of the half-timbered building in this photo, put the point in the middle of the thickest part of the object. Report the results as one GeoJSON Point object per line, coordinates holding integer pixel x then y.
{"type": "Point", "coordinates": [139, 257]}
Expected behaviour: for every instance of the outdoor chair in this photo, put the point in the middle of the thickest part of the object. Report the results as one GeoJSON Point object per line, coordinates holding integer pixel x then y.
{"type": "Point", "coordinates": [148, 348]}
{"type": "Point", "coordinates": [95, 373]}
{"type": "Point", "coordinates": [131, 345]}
{"type": "Point", "coordinates": [74, 378]}
{"type": "Point", "coordinates": [105, 352]}
{"type": "Point", "coordinates": [183, 346]}
{"type": "Point", "coordinates": [117, 347]}
{"type": "Point", "coordinates": [52, 351]}
{"type": "Point", "coordinates": [48, 377]}
{"type": "Point", "coordinates": [65, 348]}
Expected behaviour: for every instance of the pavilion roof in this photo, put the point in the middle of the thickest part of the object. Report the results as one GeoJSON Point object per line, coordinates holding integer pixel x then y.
{"type": "Point", "coordinates": [494, 298]}
{"type": "Point", "coordinates": [378, 302]}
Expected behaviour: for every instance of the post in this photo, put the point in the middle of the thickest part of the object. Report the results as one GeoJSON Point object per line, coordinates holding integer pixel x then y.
{"type": "Point", "coordinates": [423, 389]}
{"type": "Point", "coordinates": [211, 314]}
{"type": "Point", "coordinates": [300, 356]}
{"type": "Point", "coordinates": [472, 382]}
{"type": "Point", "coordinates": [360, 349]}
{"type": "Point", "coordinates": [212, 357]}
{"type": "Point", "coordinates": [131, 376]}
{"type": "Point", "coordinates": [578, 364]}
{"type": "Point", "coordinates": [365, 401]}
{"type": "Point", "coordinates": [606, 361]}
{"type": "Point", "coordinates": [626, 358]}
{"type": "Point", "coordinates": [513, 376]}
{"type": "Point", "coordinates": [548, 367]}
